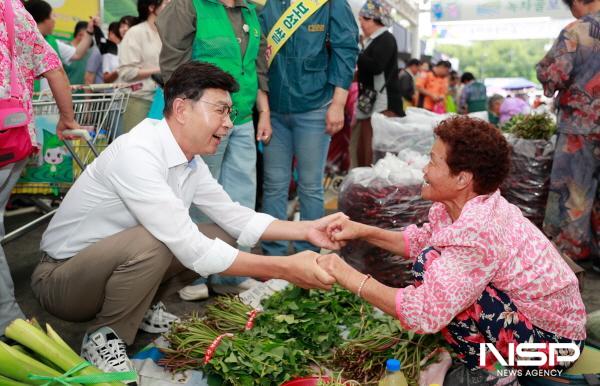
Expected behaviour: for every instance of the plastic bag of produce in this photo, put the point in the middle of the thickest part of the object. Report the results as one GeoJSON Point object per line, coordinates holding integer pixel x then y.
{"type": "Point", "coordinates": [387, 195]}
{"type": "Point", "coordinates": [528, 183]}
{"type": "Point", "coordinates": [414, 131]}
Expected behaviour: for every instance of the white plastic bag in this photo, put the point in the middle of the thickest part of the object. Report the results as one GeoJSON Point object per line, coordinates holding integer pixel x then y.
{"type": "Point", "coordinates": [412, 132]}
{"type": "Point", "coordinates": [392, 135]}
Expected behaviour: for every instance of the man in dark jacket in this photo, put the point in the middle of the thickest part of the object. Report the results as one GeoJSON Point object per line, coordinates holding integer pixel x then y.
{"type": "Point", "coordinates": [406, 82]}
{"type": "Point", "coordinates": [308, 82]}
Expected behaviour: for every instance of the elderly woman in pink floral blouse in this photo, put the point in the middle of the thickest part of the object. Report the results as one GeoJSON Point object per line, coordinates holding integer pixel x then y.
{"type": "Point", "coordinates": [483, 272]}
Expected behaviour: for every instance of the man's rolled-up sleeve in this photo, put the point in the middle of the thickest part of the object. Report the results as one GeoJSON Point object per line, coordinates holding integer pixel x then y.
{"type": "Point", "coordinates": [140, 181]}
{"type": "Point", "coordinates": [254, 229]}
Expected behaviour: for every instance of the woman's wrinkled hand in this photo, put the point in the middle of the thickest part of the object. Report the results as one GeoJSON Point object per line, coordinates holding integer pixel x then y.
{"type": "Point", "coordinates": [317, 232]}
{"type": "Point", "coordinates": [344, 229]}
{"type": "Point", "coordinates": [335, 266]}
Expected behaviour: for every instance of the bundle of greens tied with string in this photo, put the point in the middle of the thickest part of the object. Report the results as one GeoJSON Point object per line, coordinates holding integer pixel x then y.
{"type": "Point", "coordinates": [298, 332]}
{"type": "Point", "coordinates": [531, 126]}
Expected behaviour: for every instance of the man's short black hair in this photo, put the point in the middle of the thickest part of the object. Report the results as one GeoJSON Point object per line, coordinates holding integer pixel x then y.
{"type": "Point", "coordinates": [114, 28]}
{"type": "Point", "coordinates": [191, 79]}
{"type": "Point", "coordinates": [79, 26]}
{"type": "Point", "coordinates": [467, 77]}
{"type": "Point", "coordinates": [39, 9]}
{"type": "Point", "coordinates": [444, 63]}
{"type": "Point", "coordinates": [413, 62]}
{"type": "Point", "coordinates": [143, 7]}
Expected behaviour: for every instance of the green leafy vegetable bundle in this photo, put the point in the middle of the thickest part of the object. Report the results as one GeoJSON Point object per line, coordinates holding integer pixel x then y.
{"type": "Point", "coordinates": [298, 332]}
{"type": "Point", "coordinates": [533, 126]}
{"type": "Point", "coordinates": [363, 357]}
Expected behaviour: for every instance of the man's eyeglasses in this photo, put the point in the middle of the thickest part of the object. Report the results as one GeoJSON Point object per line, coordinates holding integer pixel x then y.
{"type": "Point", "coordinates": [224, 110]}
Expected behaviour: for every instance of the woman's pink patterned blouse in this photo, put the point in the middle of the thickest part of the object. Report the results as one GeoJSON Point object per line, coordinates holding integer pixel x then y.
{"type": "Point", "coordinates": [33, 57]}
{"type": "Point", "coordinates": [491, 242]}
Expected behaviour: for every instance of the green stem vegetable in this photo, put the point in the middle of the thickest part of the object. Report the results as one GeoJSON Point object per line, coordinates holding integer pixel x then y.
{"type": "Point", "coordinates": [58, 353]}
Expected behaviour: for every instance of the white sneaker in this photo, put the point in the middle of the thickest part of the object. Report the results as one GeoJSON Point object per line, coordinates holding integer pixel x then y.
{"type": "Point", "coordinates": [105, 350]}
{"type": "Point", "coordinates": [225, 289]}
{"type": "Point", "coordinates": [157, 319]}
{"type": "Point", "coordinates": [194, 292]}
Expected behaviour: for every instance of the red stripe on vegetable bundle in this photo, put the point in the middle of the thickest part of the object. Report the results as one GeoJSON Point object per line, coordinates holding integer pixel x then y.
{"type": "Point", "coordinates": [213, 346]}
{"type": "Point", "coordinates": [251, 316]}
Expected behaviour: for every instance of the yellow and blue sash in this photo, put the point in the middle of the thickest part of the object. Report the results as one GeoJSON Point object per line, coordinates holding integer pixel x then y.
{"type": "Point", "coordinates": [296, 14]}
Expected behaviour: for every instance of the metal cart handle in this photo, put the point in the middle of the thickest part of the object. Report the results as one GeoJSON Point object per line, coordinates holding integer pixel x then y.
{"type": "Point", "coordinates": [82, 133]}
{"type": "Point", "coordinates": [78, 133]}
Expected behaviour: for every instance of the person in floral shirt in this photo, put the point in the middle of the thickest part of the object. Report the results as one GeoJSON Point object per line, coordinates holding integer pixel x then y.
{"type": "Point", "coordinates": [571, 69]}
{"type": "Point", "coordinates": [483, 273]}
{"type": "Point", "coordinates": [34, 58]}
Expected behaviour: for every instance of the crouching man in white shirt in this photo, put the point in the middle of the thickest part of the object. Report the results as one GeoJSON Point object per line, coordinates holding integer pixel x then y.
{"type": "Point", "coordinates": [123, 228]}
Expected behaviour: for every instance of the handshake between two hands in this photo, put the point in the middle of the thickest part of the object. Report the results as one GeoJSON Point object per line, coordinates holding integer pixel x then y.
{"type": "Point", "coordinates": [322, 271]}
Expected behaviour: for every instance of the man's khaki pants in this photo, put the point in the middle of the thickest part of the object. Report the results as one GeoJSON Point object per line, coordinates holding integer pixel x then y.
{"type": "Point", "coordinates": [111, 282]}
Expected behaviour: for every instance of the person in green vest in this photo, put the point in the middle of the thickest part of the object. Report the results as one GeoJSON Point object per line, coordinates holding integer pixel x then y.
{"type": "Point", "coordinates": [225, 33]}
{"type": "Point", "coordinates": [474, 95]}
{"type": "Point", "coordinates": [76, 69]}
{"type": "Point", "coordinates": [45, 19]}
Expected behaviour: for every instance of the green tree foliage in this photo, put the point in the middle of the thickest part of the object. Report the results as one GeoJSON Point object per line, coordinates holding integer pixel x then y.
{"type": "Point", "coordinates": [115, 9]}
{"type": "Point", "coordinates": [501, 58]}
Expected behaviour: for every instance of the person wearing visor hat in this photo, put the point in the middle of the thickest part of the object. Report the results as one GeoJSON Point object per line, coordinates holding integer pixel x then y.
{"type": "Point", "coordinates": [377, 70]}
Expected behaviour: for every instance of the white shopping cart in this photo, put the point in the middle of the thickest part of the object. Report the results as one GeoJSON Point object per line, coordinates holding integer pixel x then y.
{"type": "Point", "coordinates": [98, 109]}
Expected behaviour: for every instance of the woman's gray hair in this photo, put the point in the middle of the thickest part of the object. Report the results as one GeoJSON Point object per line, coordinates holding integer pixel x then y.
{"type": "Point", "coordinates": [494, 98]}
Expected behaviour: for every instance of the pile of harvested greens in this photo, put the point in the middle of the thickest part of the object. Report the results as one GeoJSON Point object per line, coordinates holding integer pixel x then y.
{"type": "Point", "coordinates": [300, 332]}
{"type": "Point", "coordinates": [532, 126]}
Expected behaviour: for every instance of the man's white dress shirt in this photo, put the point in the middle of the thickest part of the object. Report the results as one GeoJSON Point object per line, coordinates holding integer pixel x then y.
{"type": "Point", "coordinates": [143, 178]}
